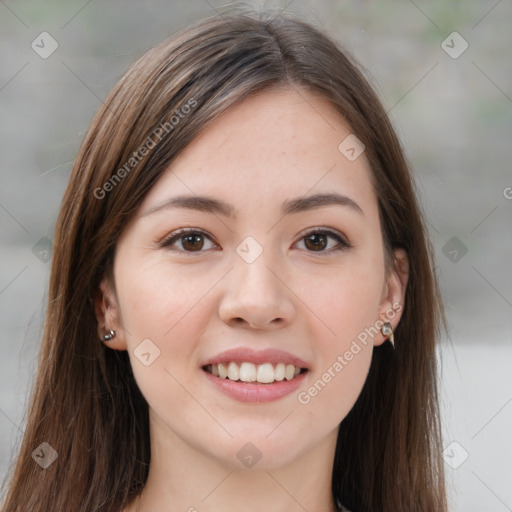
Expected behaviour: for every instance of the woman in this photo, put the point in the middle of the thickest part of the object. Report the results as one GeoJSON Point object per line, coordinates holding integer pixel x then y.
{"type": "Point", "coordinates": [241, 232]}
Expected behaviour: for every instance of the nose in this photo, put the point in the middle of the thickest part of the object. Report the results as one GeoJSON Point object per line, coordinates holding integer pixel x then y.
{"type": "Point", "coordinates": [256, 296]}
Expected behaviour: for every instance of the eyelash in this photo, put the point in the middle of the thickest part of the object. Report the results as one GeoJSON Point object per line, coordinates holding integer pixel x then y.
{"type": "Point", "coordinates": [167, 242]}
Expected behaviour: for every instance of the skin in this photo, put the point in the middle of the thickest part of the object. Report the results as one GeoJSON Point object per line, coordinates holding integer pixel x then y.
{"type": "Point", "coordinates": [193, 305]}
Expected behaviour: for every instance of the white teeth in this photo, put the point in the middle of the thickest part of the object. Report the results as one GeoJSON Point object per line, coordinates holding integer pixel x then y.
{"type": "Point", "coordinates": [280, 371]}
{"type": "Point", "coordinates": [223, 371]}
{"type": "Point", "coordinates": [265, 373]}
{"type": "Point", "coordinates": [233, 371]}
{"type": "Point", "coordinates": [248, 372]}
{"type": "Point", "coordinates": [289, 372]}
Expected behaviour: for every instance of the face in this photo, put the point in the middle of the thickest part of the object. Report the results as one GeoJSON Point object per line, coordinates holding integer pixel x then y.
{"type": "Point", "coordinates": [281, 267]}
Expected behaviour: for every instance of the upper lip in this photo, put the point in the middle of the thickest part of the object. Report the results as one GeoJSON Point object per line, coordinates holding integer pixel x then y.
{"type": "Point", "coordinates": [256, 357]}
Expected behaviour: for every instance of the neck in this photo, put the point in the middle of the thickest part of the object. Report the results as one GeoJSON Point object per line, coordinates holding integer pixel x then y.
{"type": "Point", "coordinates": [181, 478]}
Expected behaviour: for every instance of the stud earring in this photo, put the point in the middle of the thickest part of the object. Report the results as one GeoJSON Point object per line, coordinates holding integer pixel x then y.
{"type": "Point", "coordinates": [387, 330]}
{"type": "Point", "coordinates": [110, 334]}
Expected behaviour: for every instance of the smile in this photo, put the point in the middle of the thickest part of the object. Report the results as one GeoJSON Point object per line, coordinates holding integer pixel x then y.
{"type": "Point", "coordinates": [265, 373]}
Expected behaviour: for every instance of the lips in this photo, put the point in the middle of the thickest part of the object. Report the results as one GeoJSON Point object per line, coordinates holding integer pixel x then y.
{"type": "Point", "coordinates": [255, 376]}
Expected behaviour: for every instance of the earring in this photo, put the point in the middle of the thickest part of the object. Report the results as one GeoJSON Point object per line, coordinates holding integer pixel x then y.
{"type": "Point", "coordinates": [387, 330]}
{"type": "Point", "coordinates": [110, 334]}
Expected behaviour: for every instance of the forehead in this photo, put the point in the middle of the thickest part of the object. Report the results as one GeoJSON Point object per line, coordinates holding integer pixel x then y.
{"type": "Point", "coordinates": [274, 145]}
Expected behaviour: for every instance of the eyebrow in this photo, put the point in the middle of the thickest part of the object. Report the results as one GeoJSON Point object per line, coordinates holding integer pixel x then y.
{"type": "Point", "coordinates": [212, 205]}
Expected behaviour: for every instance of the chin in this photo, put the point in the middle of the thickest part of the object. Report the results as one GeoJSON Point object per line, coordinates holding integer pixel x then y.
{"type": "Point", "coordinates": [257, 450]}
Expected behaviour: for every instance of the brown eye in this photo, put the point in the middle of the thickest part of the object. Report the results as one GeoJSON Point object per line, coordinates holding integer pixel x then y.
{"type": "Point", "coordinates": [192, 242]}
{"type": "Point", "coordinates": [318, 240]}
{"type": "Point", "coordinates": [186, 240]}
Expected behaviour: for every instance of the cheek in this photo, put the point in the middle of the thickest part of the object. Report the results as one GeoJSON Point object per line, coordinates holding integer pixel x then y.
{"type": "Point", "coordinates": [333, 391]}
{"type": "Point", "coordinates": [346, 300]}
{"type": "Point", "coordinates": [158, 301]}
{"type": "Point", "coordinates": [346, 353]}
{"type": "Point", "coordinates": [347, 304]}
{"type": "Point", "coordinates": [167, 308]}
{"type": "Point", "coordinates": [164, 314]}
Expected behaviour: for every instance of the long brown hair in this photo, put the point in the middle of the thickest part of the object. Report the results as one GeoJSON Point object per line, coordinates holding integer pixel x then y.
{"type": "Point", "coordinates": [85, 402]}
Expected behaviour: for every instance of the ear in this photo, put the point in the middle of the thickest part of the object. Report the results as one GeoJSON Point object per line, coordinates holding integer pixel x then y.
{"type": "Point", "coordinates": [393, 295]}
{"type": "Point", "coordinates": [108, 315]}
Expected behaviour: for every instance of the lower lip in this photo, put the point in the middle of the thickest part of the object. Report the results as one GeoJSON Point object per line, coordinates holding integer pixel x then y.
{"type": "Point", "coordinates": [256, 392]}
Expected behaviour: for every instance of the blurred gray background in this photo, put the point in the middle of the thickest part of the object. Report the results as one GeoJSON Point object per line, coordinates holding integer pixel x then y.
{"type": "Point", "coordinates": [451, 106]}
